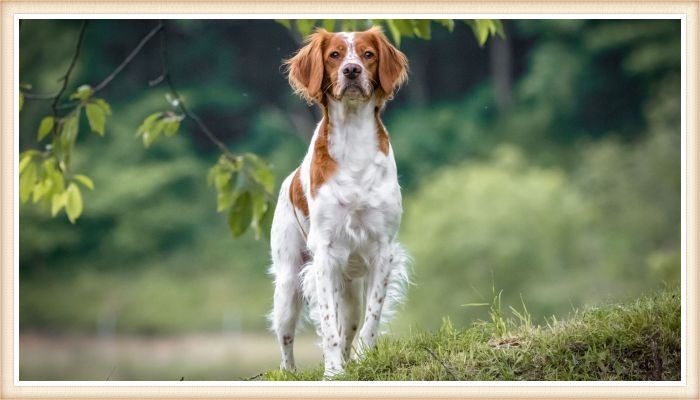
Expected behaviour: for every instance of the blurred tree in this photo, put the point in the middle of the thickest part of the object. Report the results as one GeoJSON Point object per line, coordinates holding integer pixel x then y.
{"type": "Point", "coordinates": [151, 248]}
{"type": "Point", "coordinates": [244, 182]}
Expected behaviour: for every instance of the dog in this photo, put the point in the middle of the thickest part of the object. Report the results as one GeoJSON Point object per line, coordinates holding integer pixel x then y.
{"type": "Point", "coordinates": [334, 231]}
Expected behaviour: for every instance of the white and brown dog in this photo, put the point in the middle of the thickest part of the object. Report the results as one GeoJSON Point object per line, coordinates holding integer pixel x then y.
{"type": "Point", "coordinates": [334, 232]}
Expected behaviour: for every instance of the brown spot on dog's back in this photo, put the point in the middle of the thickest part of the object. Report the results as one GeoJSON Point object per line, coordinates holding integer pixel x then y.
{"type": "Point", "coordinates": [296, 194]}
{"type": "Point", "coordinates": [323, 166]}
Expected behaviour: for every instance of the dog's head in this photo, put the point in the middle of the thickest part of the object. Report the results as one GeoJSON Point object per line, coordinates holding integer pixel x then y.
{"type": "Point", "coordinates": [353, 66]}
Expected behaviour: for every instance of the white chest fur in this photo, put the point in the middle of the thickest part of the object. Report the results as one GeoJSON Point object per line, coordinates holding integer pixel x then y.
{"type": "Point", "coordinates": [360, 205]}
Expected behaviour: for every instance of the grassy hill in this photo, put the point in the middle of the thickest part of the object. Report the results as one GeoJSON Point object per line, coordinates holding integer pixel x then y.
{"type": "Point", "coordinates": [639, 341]}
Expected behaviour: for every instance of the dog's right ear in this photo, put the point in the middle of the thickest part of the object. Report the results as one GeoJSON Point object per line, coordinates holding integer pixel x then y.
{"type": "Point", "coordinates": [305, 70]}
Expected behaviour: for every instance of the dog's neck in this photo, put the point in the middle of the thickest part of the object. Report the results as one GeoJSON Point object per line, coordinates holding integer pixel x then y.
{"type": "Point", "coordinates": [352, 128]}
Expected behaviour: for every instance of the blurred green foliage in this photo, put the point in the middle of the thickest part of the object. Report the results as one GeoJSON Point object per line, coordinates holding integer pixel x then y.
{"type": "Point", "coordinates": [397, 28]}
{"type": "Point", "coordinates": [568, 194]}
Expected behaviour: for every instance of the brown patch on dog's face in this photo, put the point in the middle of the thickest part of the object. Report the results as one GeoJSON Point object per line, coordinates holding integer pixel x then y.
{"type": "Point", "coordinates": [366, 50]}
{"type": "Point", "coordinates": [334, 55]}
{"type": "Point", "coordinates": [392, 64]}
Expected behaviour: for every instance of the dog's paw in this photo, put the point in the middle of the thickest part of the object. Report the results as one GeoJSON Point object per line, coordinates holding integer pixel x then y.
{"type": "Point", "coordinates": [331, 373]}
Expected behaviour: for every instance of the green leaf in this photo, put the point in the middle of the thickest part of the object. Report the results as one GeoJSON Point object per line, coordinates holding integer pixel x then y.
{"type": "Point", "coordinates": [224, 201]}
{"type": "Point", "coordinates": [45, 127]}
{"type": "Point", "coordinates": [259, 208]}
{"type": "Point", "coordinates": [83, 93]}
{"type": "Point", "coordinates": [260, 172]}
{"type": "Point", "coordinates": [25, 158]}
{"type": "Point", "coordinates": [69, 130]}
{"type": "Point", "coordinates": [27, 181]}
{"type": "Point", "coordinates": [483, 28]}
{"type": "Point", "coordinates": [266, 220]}
{"type": "Point", "coordinates": [22, 87]}
{"type": "Point", "coordinates": [447, 23]}
{"type": "Point", "coordinates": [151, 128]}
{"type": "Point", "coordinates": [328, 24]}
{"type": "Point", "coordinates": [41, 189]}
{"type": "Point", "coordinates": [422, 28]}
{"type": "Point", "coordinates": [171, 127]}
{"type": "Point", "coordinates": [96, 117]}
{"type": "Point", "coordinates": [153, 133]}
{"type": "Point", "coordinates": [305, 26]}
{"type": "Point", "coordinates": [148, 122]}
{"type": "Point", "coordinates": [74, 202]}
{"type": "Point", "coordinates": [58, 182]}
{"type": "Point", "coordinates": [241, 214]}
{"type": "Point", "coordinates": [103, 105]}
{"type": "Point", "coordinates": [221, 180]}
{"type": "Point", "coordinates": [87, 182]}
{"type": "Point", "coordinates": [58, 201]}
{"type": "Point", "coordinates": [404, 26]}
{"type": "Point", "coordinates": [395, 32]}
{"type": "Point", "coordinates": [243, 182]}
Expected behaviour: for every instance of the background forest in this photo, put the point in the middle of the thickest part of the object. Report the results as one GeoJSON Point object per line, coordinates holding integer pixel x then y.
{"type": "Point", "coordinates": [545, 165]}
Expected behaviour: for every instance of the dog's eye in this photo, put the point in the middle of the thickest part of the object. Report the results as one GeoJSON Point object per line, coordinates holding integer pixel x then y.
{"type": "Point", "coordinates": [369, 54]}
{"type": "Point", "coordinates": [335, 54]}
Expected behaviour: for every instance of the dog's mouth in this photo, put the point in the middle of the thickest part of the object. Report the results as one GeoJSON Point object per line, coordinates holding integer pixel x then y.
{"type": "Point", "coordinates": [354, 90]}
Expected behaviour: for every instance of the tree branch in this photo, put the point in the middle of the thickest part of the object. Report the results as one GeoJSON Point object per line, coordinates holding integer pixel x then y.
{"type": "Point", "coordinates": [113, 74]}
{"type": "Point", "coordinates": [165, 77]}
{"type": "Point", "coordinates": [66, 77]}
{"type": "Point", "coordinates": [128, 58]}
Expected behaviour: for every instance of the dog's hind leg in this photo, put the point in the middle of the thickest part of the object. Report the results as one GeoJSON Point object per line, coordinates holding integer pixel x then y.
{"type": "Point", "coordinates": [386, 285]}
{"type": "Point", "coordinates": [288, 257]}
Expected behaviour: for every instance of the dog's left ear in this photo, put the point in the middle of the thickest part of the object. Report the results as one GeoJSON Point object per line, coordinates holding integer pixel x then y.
{"type": "Point", "coordinates": [393, 65]}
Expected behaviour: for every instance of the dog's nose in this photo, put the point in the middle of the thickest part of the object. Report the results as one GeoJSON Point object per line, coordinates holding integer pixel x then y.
{"type": "Point", "coordinates": [351, 71]}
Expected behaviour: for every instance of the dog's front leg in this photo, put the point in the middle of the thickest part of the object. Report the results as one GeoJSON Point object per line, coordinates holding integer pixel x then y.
{"type": "Point", "coordinates": [329, 280]}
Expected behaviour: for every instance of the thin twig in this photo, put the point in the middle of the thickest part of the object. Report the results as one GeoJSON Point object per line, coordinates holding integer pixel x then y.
{"type": "Point", "coordinates": [449, 371]}
{"type": "Point", "coordinates": [253, 377]}
{"type": "Point", "coordinates": [111, 372]}
{"type": "Point", "coordinates": [128, 58]}
{"type": "Point", "coordinates": [113, 74]}
{"type": "Point", "coordinates": [66, 77]}
{"type": "Point", "coordinates": [39, 96]}
{"type": "Point", "coordinates": [165, 76]}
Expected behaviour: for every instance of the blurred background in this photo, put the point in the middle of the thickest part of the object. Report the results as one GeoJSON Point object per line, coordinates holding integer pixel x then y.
{"type": "Point", "coordinates": [545, 165]}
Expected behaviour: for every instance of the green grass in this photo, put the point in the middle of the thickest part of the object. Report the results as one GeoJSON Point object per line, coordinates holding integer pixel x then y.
{"type": "Point", "coordinates": [639, 341]}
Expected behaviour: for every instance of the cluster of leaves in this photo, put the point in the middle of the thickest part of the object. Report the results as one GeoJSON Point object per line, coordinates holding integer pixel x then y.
{"type": "Point", "coordinates": [244, 183]}
{"type": "Point", "coordinates": [244, 186]}
{"type": "Point", "coordinates": [412, 28]}
{"type": "Point", "coordinates": [44, 175]}
{"type": "Point", "coordinates": [161, 122]}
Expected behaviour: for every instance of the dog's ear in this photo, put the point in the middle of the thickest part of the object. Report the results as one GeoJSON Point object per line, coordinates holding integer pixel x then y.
{"type": "Point", "coordinates": [393, 65]}
{"type": "Point", "coordinates": [305, 70]}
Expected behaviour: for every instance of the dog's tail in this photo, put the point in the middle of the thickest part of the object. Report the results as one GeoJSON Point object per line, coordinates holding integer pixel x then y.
{"type": "Point", "coordinates": [398, 283]}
